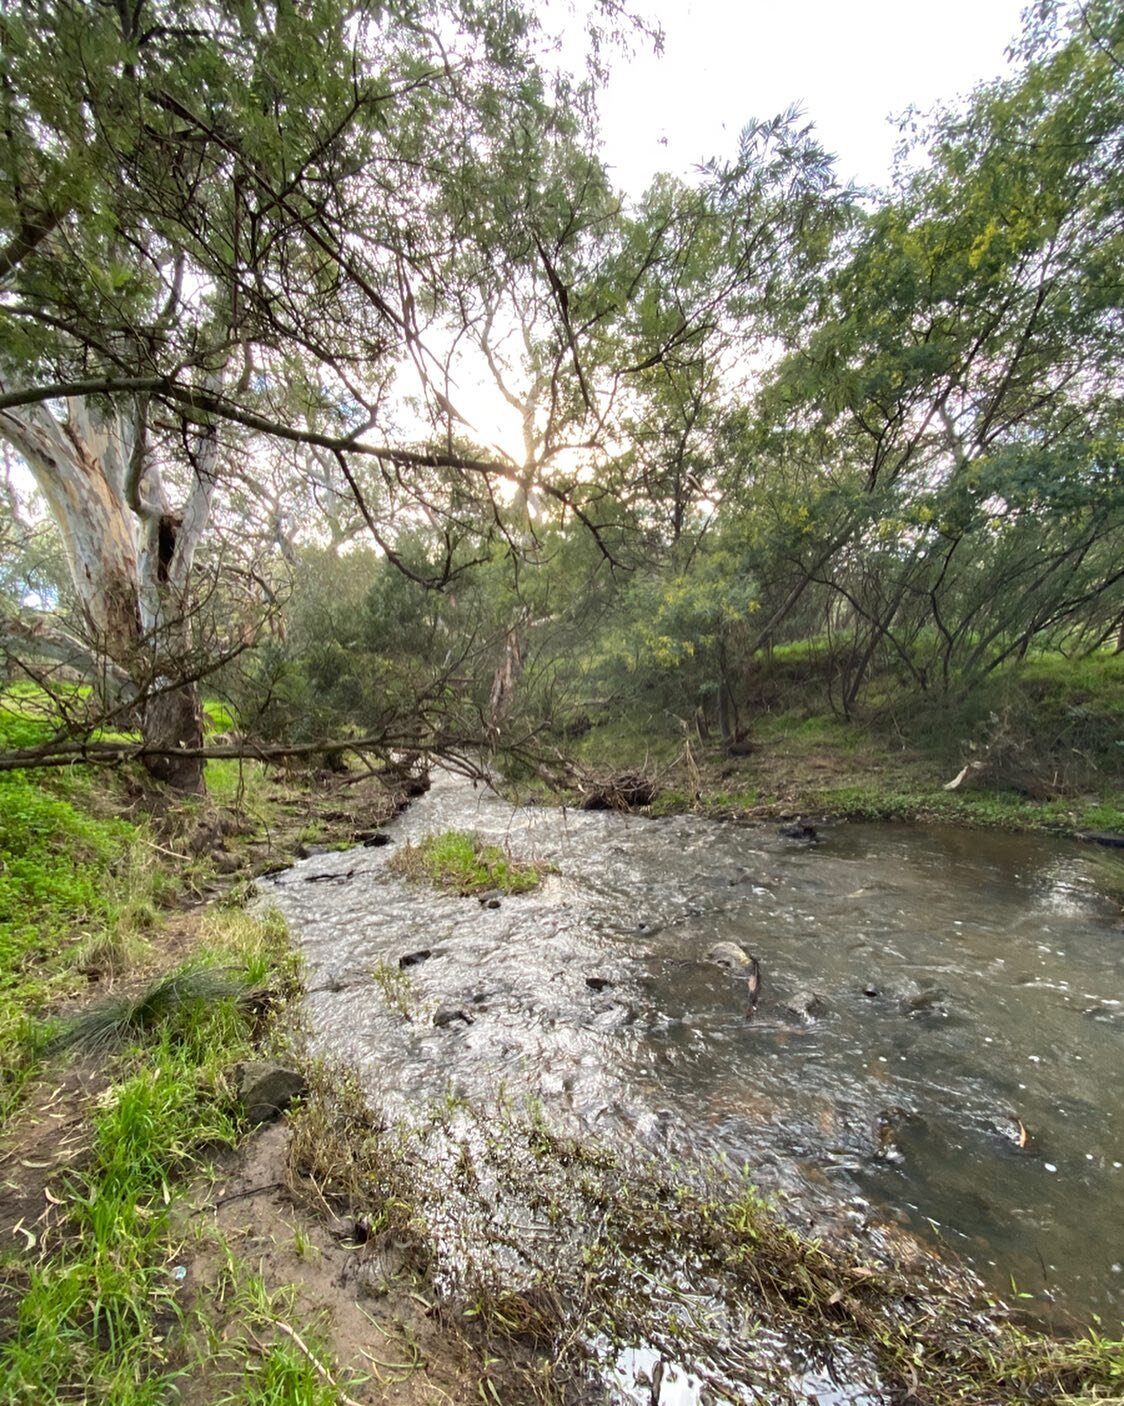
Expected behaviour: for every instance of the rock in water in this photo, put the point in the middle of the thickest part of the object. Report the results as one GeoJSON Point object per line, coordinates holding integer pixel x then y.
{"type": "Point", "coordinates": [807, 1006]}
{"type": "Point", "coordinates": [924, 1001]}
{"type": "Point", "coordinates": [730, 955]}
{"type": "Point", "coordinates": [266, 1089]}
{"type": "Point", "coordinates": [737, 959]}
{"type": "Point", "coordinates": [451, 1015]}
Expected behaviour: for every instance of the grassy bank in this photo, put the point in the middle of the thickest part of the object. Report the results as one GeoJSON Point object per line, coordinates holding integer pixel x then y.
{"type": "Point", "coordinates": [1040, 747]}
{"type": "Point", "coordinates": [126, 1008]}
{"type": "Point", "coordinates": [93, 1298]}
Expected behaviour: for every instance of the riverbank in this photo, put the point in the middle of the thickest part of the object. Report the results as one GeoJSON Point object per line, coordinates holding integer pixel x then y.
{"type": "Point", "coordinates": [820, 766]}
{"type": "Point", "coordinates": [156, 1244]}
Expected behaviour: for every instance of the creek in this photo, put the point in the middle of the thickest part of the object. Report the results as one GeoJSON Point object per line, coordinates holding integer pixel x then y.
{"type": "Point", "coordinates": [937, 1042]}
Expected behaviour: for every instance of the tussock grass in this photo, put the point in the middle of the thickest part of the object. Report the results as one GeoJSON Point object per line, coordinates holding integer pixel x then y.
{"type": "Point", "coordinates": [462, 861]}
{"type": "Point", "coordinates": [118, 1020]}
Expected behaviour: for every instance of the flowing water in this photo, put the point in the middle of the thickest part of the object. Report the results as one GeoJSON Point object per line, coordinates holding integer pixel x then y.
{"type": "Point", "coordinates": [937, 1040]}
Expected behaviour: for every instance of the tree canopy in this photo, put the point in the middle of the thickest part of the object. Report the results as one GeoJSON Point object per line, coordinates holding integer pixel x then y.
{"type": "Point", "coordinates": [257, 263]}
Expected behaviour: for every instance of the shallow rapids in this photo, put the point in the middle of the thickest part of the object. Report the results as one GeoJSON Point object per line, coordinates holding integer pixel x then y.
{"type": "Point", "coordinates": [937, 1040]}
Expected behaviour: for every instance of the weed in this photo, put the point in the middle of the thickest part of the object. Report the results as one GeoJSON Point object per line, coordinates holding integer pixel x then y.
{"type": "Point", "coordinates": [396, 987]}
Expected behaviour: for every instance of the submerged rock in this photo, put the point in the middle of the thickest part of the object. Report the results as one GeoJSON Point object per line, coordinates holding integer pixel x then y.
{"type": "Point", "coordinates": [887, 1123]}
{"type": "Point", "coordinates": [266, 1089]}
{"type": "Point", "coordinates": [1011, 1128]}
{"type": "Point", "coordinates": [924, 1001]}
{"type": "Point", "coordinates": [328, 878]}
{"type": "Point", "coordinates": [799, 830]}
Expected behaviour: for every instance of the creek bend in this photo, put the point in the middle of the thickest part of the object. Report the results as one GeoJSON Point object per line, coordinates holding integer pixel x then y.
{"type": "Point", "coordinates": [931, 999]}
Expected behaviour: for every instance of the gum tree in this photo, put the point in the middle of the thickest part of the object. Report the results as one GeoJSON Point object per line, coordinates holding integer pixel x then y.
{"type": "Point", "coordinates": [222, 229]}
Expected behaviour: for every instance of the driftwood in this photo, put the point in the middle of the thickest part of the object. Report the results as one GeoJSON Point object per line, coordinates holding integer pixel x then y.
{"type": "Point", "coordinates": [624, 791]}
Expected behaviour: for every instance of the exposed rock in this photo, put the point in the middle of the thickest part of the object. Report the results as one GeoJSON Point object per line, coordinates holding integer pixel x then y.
{"type": "Point", "coordinates": [799, 830]}
{"type": "Point", "coordinates": [373, 839]}
{"type": "Point", "coordinates": [449, 1015]}
{"type": "Point", "coordinates": [871, 990]}
{"type": "Point", "coordinates": [807, 1006]}
{"type": "Point", "coordinates": [598, 983]}
{"type": "Point", "coordinates": [729, 955]}
{"type": "Point", "coordinates": [490, 899]}
{"type": "Point", "coordinates": [266, 1089]}
{"type": "Point", "coordinates": [414, 959]}
{"type": "Point", "coordinates": [225, 862]}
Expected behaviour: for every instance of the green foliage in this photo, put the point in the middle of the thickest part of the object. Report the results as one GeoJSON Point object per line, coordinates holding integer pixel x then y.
{"type": "Point", "coordinates": [464, 862]}
{"type": "Point", "coordinates": [68, 882]}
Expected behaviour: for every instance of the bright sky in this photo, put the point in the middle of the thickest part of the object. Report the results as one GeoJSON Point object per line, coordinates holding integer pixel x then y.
{"type": "Point", "coordinates": [850, 64]}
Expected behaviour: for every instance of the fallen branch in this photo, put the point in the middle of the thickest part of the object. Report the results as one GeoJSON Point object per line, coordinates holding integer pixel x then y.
{"type": "Point", "coordinates": [51, 754]}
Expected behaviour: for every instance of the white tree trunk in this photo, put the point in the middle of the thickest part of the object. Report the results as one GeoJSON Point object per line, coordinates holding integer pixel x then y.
{"type": "Point", "coordinates": [130, 555]}
{"type": "Point", "coordinates": [76, 473]}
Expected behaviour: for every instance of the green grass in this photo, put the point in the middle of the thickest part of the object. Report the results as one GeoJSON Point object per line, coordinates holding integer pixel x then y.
{"type": "Point", "coordinates": [76, 891]}
{"type": "Point", "coordinates": [462, 861]}
{"type": "Point", "coordinates": [239, 782]}
{"type": "Point", "coordinates": [642, 740]}
{"type": "Point", "coordinates": [98, 1309]}
{"type": "Point", "coordinates": [260, 1358]}
{"type": "Point", "coordinates": [217, 717]}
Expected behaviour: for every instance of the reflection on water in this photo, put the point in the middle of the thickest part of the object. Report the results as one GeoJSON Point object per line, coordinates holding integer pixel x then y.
{"type": "Point", "coordinates": [938, 1033]}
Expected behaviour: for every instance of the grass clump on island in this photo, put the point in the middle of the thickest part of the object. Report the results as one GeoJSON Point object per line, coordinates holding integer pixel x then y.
{"type": "Point", "coordinates": [465, 863]}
